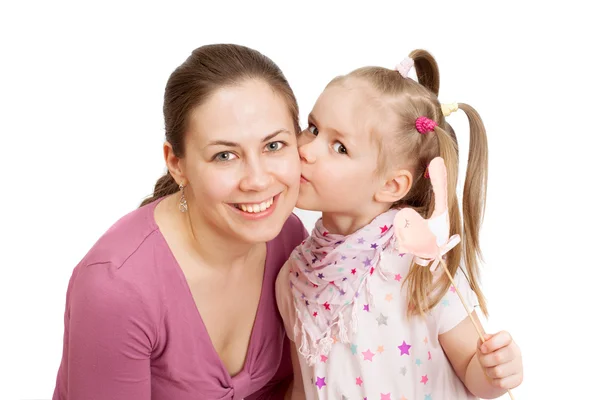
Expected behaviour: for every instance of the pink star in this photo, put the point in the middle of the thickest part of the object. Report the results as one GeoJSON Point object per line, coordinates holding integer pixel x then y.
{"type": "Point", "coordinates": [366, 307]}
{"type": "Point", "coordinates": [323, 358]}
{"type": "Point", "coordinates": [353, 271]}
{"type": "Point", "coordinates": [327, 306]}
{"type": "Point", "coordinates": [424, 379]}
{"type": "Point", "coordinates": [404, 348]}
{"type": "Point", "coordinates": [320, 382]}
{"type": "Point", "coordinates": [368, 355]}
{"type": "Point", "coordinates": [397, 277]}
{"type": "Point", "coordinates": [452, 289]}
{"type": "Point", "coordinates": [386, 396]}
{"type": "Point", "coordinates": [429, 355]}
{"type": "Point", "coordinates": [384, 229]}
{"type": "Point", "coordinates": [359, 381]}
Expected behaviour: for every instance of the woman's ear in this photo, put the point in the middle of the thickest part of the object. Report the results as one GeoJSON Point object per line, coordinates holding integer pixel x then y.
{"type": "Point", "coordinates": [174, 164]}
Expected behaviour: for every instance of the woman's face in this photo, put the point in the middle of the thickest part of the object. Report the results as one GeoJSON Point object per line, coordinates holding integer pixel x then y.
{"type": "Point", "coordinates": [241, 162]}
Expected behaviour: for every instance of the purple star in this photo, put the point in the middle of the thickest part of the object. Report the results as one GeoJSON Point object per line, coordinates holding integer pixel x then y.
{"type": "Point", "coordinates": [373, 245]}
{"type": "Point", "coordinates": [365, 307]}
{"type": "Point", "coordinates": [404, 348]}
{"type": "Point", "coordinates": [367, 262]}
{"type": "Point", "coordinates": [320, 382]}
{"type": "Point", "coordinates": [361, 241]}
{"type": "Point", "coordinates": [321, 276]}
{"type": "Point", "coordinates": [344, 279]}
{"type": "Point", "coordinates": [314, 260]}
{"type": "Point", "coordinates": [339, 242]}
{"type": "Point", "coordinates": [344, 257]}
{"type": "Point", "coordinates": [342, 292]}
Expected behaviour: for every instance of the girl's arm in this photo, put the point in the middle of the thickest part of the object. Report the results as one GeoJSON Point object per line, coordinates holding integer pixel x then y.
{"type": "Point", "coordinates": [296, 389]}
{"type": "Point", "coordinates": [487, 370]}
{"type": "Point", "coordinates": [288, 314]}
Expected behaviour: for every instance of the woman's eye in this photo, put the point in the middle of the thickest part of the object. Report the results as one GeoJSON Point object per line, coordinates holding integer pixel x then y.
{"type": "Point", "coordinates": [224, 156]}
{"type": "Point", "coordinates": [313, 129]}
{"type": "Point", "coordinates": [274, 146]}
{"type": "Point", "coordinates": [340, 148]}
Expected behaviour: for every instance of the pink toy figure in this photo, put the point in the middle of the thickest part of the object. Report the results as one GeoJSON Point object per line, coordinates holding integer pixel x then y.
{"type": "Point", "coordinates": [429, 239]}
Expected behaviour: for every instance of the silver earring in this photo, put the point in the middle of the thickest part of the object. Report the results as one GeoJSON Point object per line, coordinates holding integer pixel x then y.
{"type": "Point", "coordinates": [182, 201]}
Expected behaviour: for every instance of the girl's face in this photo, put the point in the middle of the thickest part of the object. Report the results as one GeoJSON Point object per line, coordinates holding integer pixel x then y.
{"type": "Point", "coordinates": [339, 152]}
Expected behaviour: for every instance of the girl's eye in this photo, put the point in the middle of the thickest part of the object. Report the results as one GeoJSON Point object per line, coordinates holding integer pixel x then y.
{"type": "Point", "coordinates": [313, 129]}
{"type": "Point", "coordinates": [274, 146]}
{"type": "Point", "coordinates": [224, 156]}
{"type": "Point", "coordinates": [340, 148]}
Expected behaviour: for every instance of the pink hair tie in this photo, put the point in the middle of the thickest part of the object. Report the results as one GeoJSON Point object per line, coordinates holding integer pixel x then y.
{"type": "Point", "coordinates": [425, 125]}
{"type": "Point", "coordinates": [405, 66]}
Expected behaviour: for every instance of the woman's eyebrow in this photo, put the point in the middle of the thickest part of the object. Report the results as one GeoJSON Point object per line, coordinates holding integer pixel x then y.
{"type": "Point", "coordinates": [234, 144]}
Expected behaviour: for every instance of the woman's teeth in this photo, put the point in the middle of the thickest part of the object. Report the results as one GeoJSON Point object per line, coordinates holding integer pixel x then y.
{"type": "Point", "coordinates": [255, 208]}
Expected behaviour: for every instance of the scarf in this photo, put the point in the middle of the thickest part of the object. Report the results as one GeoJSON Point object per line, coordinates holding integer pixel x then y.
{"type": "Point", "coordinates": [327, 273]}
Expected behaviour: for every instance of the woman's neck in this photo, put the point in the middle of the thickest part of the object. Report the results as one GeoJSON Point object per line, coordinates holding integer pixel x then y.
{"type": "Point", "coordinates": [213, 246]}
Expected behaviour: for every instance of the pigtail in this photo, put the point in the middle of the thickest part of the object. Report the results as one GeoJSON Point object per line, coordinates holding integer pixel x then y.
{"type": "Point", "coordinates": [474, 197]}
{"type": "Point", "coordinates": [427, 70]}
{"type": "Point", "coordinates": [447, 148]}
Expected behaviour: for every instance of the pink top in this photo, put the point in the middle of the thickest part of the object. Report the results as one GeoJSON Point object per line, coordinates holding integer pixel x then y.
{"type": "Point", "coordinates": [133, 332]}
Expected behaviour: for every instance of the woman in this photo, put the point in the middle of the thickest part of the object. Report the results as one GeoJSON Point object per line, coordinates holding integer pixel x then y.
{"type": "Point", "coordinates": [176, 300]}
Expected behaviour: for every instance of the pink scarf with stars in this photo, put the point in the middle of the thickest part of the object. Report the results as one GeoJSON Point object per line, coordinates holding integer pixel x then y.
{"type": "Point", "coordinates": [327, 274]}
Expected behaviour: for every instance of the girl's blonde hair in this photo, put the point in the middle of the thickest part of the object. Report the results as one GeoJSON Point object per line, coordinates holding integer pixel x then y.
{"type": "Point", "coordinates": [407, 100]}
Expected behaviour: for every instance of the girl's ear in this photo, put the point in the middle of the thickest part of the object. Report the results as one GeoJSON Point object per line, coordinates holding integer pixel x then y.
{"type": "Point", "coordinates": [395, 188]}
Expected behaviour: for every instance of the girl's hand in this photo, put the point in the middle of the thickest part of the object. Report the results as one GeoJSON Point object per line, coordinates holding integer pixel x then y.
{"type": "Point", "coordinates": [500, 358]}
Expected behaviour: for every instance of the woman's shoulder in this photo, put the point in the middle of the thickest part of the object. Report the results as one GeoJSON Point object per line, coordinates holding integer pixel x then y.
{"type": "Point", "coordinates": [291, 235]}
{"type": "Point", "coordinates": [280, 248]}
{"type": "Point", "coordinates": [116, 270]}
{"type": "Point", "coordinates": [127, 236]}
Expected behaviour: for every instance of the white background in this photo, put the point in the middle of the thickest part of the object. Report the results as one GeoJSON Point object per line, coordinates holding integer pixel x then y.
{"type": "Point", "coordinates": [81, 89]}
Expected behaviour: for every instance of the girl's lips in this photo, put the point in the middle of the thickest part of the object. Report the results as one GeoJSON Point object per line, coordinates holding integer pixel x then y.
{"type": "Point", "coordinates": [303, 179]}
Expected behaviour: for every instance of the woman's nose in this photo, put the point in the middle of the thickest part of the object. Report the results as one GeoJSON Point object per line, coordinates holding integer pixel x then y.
{"type": "Point", "coordinates": [257, 177]}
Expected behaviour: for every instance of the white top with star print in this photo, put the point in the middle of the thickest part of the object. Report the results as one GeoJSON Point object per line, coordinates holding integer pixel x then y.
{"type": "Point", "coordinates": [390, 356]}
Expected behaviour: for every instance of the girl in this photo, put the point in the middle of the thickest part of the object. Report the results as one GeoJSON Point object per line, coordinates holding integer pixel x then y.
{"type": "Point", "coordinates": [366, 321]}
